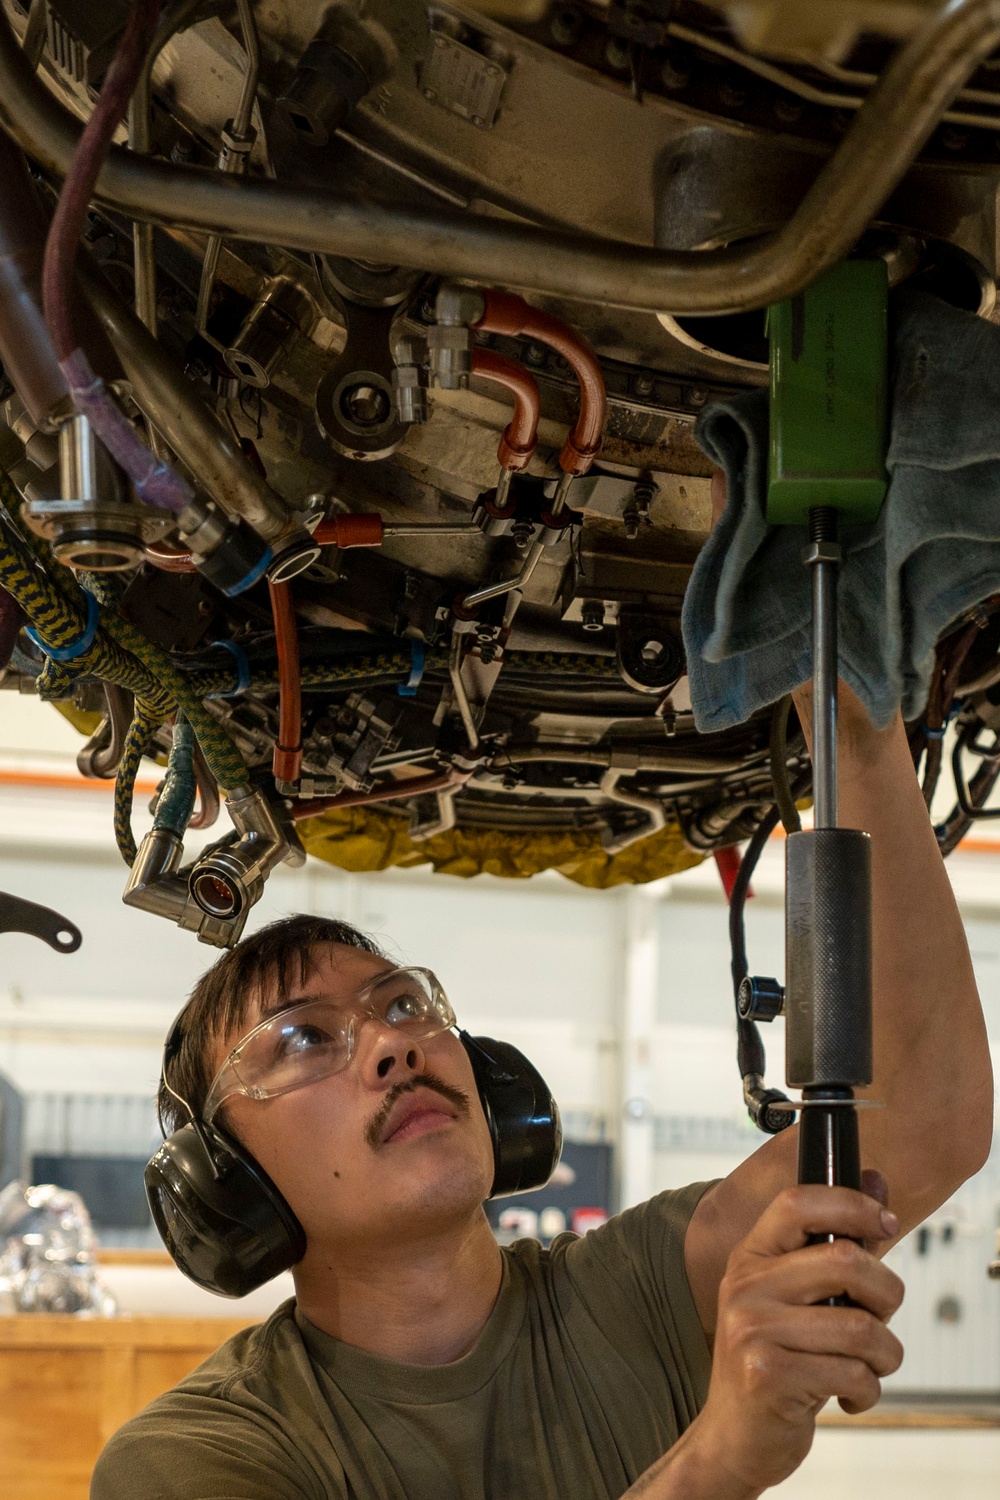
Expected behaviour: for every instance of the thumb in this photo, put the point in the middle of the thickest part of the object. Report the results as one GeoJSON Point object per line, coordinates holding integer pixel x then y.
{"type": "Point", "coordinates": [875, 1185]}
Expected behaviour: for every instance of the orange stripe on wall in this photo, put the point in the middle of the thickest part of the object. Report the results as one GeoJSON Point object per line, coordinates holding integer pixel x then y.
{"type": "Point", "coordinates": [54, 781]}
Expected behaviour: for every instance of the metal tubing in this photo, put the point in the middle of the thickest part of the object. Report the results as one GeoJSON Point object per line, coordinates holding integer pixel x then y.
{"type": "Point", "coordinates": [627, 765]}
{"type": "Point", "coordinates": [508, 585]}
{"type": "Point", "coordinates": [389, 791]}
{"type": "Point", "coordinates": [604, 755]}
{"type": "Point", "coordinates": [430, 528]}
{"type": "Point", "coordinates": [887, 134]}
{"type": "Point", "coordinates": [458, 688]}
{"type": "Point", "coordinates": [143, 249]}
{"type": "Point", "coordinates": [825, 694]}
{"type": "Point", "coordinates": [140, 140]}
{"type": "Point", "coordinates": [25, 347]}
{"type": "Point", "coordinates": [174, 407]}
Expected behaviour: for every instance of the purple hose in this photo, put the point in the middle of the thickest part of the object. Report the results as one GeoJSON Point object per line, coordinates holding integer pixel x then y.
{"type": "Point", "coordinates": [155, 482]}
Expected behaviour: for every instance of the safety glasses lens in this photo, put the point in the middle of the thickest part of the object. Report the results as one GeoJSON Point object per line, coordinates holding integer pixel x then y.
{"type": "Point", "coordinates": [410, 1000]}
{"type": "Point", "coordinates": [298, 1046]}
{"type": "Point", "coordinates": [313, 1040]}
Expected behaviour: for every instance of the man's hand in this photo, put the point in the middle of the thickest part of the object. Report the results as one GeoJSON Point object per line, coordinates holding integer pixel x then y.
{"type": "Point", "coordinates": [780, 1354]}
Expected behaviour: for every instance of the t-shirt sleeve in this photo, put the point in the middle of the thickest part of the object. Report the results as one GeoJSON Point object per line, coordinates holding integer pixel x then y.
{"type": "Point", "coordinates": [639, 1255]}
{"type": "Point", "coordinates": [202, 1454]}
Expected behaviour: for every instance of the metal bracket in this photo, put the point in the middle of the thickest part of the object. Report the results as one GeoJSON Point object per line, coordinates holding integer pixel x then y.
{"type": "Point", "coordinates": [18, 915]}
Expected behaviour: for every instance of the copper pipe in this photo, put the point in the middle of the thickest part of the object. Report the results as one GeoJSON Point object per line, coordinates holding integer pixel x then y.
{"type": "Point", "coordinates": [208, 791]}
{"type": "Point", "coordinates": [506, 313]}
{"type": "Point", "coordinates": [520, 436]}
{"type": "Point", "coordinates": [389, 791]}
{"type": "Point", "coordinates": [360, 529]}
{"type": "Point", "coordinates": [287, 763]}
{"type": "Point", "coordinates": [170, 559]}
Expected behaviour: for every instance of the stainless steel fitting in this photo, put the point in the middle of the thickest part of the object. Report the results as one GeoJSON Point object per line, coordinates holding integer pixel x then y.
{"type": "Point", "coordinates": [450, 340]}
{"type": "Point", "coordinates": [93, 524]}
{"type": "Point", "coordinates": [203, 527]}
{"type": "Point", "coordinates": [277, 318]}
{"type": "Point", "coordinates": [226, 882]}
{"type": "Point", "coordinates": [408, 387]}
{"type": "Point", "coordinates": [154, 885]}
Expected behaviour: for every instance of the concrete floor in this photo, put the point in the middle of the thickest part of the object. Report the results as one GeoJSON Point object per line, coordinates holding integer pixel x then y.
{"type": "Point", "coordinates": [899, 1464]}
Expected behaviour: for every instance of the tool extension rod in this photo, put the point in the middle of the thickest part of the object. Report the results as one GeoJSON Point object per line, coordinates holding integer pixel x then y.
{"type": "Point", "coordinates": [824, 558]}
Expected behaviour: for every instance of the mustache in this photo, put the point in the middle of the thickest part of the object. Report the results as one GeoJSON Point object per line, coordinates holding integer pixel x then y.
{"type": "Point", "coordinates": [376, 1125]}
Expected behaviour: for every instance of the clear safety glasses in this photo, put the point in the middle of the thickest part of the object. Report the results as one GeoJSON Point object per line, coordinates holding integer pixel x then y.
{"type": "Point", "coordinates": [317, 1038]}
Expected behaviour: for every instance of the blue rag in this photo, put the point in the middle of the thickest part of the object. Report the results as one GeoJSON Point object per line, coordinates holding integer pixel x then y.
{"type": "Point", "coordinates": [934, 551]}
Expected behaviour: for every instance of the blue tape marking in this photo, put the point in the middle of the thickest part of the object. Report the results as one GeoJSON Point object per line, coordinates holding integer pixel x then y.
{"type": "Point", "coordinates": [249, 579]}
{"type": "Point", "coordinates": [933, 734]}
{"type": "Point", "coordinates": [83, 641]}
{"type": "Point", "coordinates": [242, 669]}
{"type": "Point", "coordinates": [418, 657]}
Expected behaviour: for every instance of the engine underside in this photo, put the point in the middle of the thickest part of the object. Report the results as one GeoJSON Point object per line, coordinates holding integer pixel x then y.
{"type": "Point", "coordinates": [464, 646]}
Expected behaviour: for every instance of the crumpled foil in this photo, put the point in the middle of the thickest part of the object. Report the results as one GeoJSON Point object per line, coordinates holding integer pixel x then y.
{"type": "Point", "coordinates": [47, 1254]}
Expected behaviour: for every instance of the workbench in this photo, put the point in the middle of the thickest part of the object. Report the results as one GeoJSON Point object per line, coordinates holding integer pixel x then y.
{"type": "Point", "coordinates": [67, 1383]}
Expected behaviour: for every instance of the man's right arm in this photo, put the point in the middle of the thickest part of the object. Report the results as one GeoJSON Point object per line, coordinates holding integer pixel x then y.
{"type": "Point", "coordinates": [780, 1353]}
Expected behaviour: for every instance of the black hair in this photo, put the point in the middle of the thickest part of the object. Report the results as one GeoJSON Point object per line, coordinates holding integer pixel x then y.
{"type": "Point", "coordinates": [280, 955]}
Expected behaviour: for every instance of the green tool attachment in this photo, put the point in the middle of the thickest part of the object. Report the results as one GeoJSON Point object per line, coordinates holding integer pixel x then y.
{"type": "Point", "coordinates": [829, 377]}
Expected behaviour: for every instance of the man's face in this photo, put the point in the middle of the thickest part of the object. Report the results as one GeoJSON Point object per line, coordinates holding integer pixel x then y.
{"type": "Point", "coordinates": [364, 1153]}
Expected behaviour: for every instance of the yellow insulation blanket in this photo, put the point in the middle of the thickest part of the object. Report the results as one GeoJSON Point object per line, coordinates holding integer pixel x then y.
{"type": "Point", "coordinates": [369, 838]}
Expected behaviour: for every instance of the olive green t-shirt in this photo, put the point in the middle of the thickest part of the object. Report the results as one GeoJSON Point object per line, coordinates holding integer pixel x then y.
{"type": "Point", "coordinates": [592, 1364]}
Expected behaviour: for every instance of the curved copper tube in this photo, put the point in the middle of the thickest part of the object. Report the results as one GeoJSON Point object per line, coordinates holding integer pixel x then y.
{"type": "Point", "coordinates": [287, 764]}
{"type": "Point", "coordinates": [361, 529]}
{"type": "Point", "coordinates": [506, 313]}
{"type": "Point", "coordinates": [170, 559]}
{"type": "Point", "coordinates": [208, 791]}
{"type": "Point", "coordinates": [390, 791]}
{"type": "Point", "coordinates": [520, 436]}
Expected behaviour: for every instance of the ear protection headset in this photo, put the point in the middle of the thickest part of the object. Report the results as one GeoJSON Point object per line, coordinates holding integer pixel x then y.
{"type": "Point", "coordinates": [228, 1227]}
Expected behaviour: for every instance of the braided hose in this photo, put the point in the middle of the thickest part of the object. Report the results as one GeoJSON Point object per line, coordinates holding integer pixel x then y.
{"type": "Point", "coordinates": [137, 742]}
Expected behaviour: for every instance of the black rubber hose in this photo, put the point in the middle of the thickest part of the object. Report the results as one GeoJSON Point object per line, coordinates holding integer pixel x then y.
{"type": "Point", "coordinates": [749, 1048]}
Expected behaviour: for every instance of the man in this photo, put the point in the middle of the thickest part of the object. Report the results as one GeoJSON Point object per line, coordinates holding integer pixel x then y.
{"type": "Point", "coordinates": [682, 1350]}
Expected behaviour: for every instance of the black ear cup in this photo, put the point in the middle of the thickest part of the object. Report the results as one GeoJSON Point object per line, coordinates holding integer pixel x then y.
{"type": "Point", "coordinates": [521, 1113]}
{"type": "Point", "coordinates": [219, 1214]}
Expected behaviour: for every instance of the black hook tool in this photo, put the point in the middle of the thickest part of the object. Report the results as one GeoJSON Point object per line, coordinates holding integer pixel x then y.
{"type": "Point", "coordinates": [18, 915]}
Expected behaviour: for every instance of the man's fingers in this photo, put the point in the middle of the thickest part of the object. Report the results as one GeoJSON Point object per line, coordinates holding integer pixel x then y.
{"type": "Point", "coordinates": [848, 1332]}
{"type": "Point", "coordinates": [793, 1385]}
{"type": "Point", "coordinates": [875, 1185]}
{"type": "Point", "coordinates": [811, 1275]}
{"type": "Point", "coordinates": [796, 1215]}
{"type": "Point", "coordinates": [850, 1380]}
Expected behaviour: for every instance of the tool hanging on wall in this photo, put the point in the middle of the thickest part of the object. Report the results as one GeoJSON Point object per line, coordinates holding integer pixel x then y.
{"type": "Point", "coordinates": [18, 915]}
{"type": "Point", "coordinates": [829, 359]}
